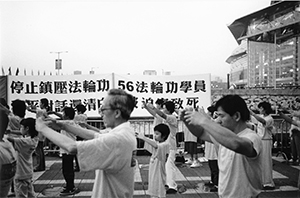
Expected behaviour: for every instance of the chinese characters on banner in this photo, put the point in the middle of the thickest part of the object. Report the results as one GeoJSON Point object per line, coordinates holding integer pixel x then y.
{"type": "Point", "coordinates": [90, 90]}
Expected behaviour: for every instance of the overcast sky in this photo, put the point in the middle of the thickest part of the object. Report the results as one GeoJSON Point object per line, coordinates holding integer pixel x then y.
{"type": "Point", "coordinates": [182, 36]}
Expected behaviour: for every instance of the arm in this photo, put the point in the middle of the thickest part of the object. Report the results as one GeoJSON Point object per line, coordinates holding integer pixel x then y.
{"type": "Point", "coordinates": [149, 109]}
{"type": "Point", "coordinates": [296, 113]}
{"type": "Point", "coordinates": [76, 130]}
{"type": "Point", "coordinates": [6, 110]}
{"type": "Point", "coordinates": [90, 127]}
{"type": "Point", "coordinates": [12, 140]}
{"type": "Point", "coordinates": [258, 118]}
{"type": "Point", "coordinates": [149, 141]}
{"type": "Point", "coordinates": [224, 136]}
{"type": "Point", "coordinates": [59, 139]}
{"type": "Point", "coordinates": [55, 113]}
{"type": "Point", "coordinates": [289, 119]}
{"type": "Point", "coordinates": [156, 111]}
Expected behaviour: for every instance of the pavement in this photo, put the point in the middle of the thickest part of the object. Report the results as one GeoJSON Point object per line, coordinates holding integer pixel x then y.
{"type": "Point", "coordinates": [190, 181]}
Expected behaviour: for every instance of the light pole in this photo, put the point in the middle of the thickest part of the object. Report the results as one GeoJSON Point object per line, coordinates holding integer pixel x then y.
{"type": "Point", "coordinates": [58, 60]}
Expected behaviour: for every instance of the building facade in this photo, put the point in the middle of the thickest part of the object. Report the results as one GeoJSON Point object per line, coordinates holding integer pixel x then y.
{"type": "Point", "coordinates": [268, 54]}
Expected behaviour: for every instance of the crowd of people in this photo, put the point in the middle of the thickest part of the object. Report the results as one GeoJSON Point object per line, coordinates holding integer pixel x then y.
{"type": "Point", "coordinates": [238, 145]}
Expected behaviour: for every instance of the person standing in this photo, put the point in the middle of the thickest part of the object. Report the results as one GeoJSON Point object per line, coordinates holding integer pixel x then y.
{"type": "Point", "coordinates": [7, 157]}
{"type": "Point", "coordinates": [25, 146]}
{"type": "Point", "coordinates": [159, 149]}
{"type": "Point", "coordinates": [264, 130]}
{"type": "Point", "coordinates": [171, 121]}
{"type": "Point", "coordinates": [110, 154]}
{"type": "Point", "coordinates": [239, 148]}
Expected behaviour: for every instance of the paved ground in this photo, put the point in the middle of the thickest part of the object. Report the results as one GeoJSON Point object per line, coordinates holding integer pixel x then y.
{"type": "Point", "coordinates": [49, 183]}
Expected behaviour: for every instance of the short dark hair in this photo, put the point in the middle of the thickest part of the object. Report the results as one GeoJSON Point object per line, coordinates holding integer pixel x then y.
{"type": "Point", "coordinates": [123, 101]}
{"type": "Point", "coordinates": [69, 112]}
{"type": "Point", "coordinates": [170, 106]}
{"type": "Point", "coordinates": [163, 129]}
{"type": "Point", "coordinates": [211, 109]}
{"type": "Point", "coordinates": [30, 123]}
{"type": "Point", "coordinates": [160, 101]}
{"type": "Point", "coordinates": [19, 108]}
{"type": "Point", "coordinates": [45, 102]}
{"type": "Point", "coordinates": [266, 106]}
{"type": "Point", "coordinates": [232, 104]}
{"type": "Point", "coordinates": [3, 123]}
{"type": "Point", "coordinates": [80, 108]}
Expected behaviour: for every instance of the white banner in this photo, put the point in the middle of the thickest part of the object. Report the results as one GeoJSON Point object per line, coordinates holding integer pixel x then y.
{"type": "Point", "coordinates": [90, 90]}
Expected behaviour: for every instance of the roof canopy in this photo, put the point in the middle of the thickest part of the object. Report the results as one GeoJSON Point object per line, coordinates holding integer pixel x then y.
{"type": "Point", "coordinates": [280, 20]}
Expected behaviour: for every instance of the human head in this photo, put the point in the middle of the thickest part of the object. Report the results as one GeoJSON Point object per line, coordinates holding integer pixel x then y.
{"type": "Point", "coordinates": [80, 108]}
{"type": "Point", "coordinates": [232, 110]}
{"type": "Point", "coordinates": [159, 103]}
{"type": "Point", "coordinates": [68, 113]}
{"type": "Point", "coordinates": [3, 123]}
{"type": "Point", "coordinates": [161, 132]}
{"type": "Point", "coordinates": [265, 107]}
{"type": "Point", "coordinates": [169, 106]}
{"type": "Point", "coordinates": [117, 107]}
{"type": "Point", "coordinates": [44, 104]}
{"type": "Point", "coordinates": [19, 108]}
{"type": "Point", "coordinates": [28, 127]}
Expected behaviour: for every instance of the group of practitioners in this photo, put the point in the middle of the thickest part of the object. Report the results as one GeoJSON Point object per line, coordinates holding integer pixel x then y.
{"type": "Point", "coordinates": [238, 145]}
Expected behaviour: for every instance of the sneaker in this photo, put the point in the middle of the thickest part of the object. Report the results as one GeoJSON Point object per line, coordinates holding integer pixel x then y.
{"type": "Point", "coordinates": [196, 164]}
{"type": "Point", "coordinates": [171, 191]}
{"type": "Point", "coordinates": [214, 189]}
{"type": "Point", "coordinates": [269, 187]}
{"type": "Point", "coordinates": [66, 192]}
{"type": "Point", "coordinates": [188, 161]}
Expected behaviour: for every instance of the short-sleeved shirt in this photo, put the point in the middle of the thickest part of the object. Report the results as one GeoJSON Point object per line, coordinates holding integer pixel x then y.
{"type": "Point", "coordinates": [111, 155]}
{"type": "Point", "coordinates": [240, 176]}
{"type": "Point", "coordinates": [7, 153]}
{"type": "Point", "coordinates": [25, 147]}
{"type": "Point", "coordinates": [157, 169]}
{"type": "Point", "coordinates": [265, 131]}
{"type": "Point", "coordinates": [171, 121]}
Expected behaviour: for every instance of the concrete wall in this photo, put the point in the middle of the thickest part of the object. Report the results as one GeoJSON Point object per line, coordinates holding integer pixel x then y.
{"type": "Point", "coordinates": [277, 97]}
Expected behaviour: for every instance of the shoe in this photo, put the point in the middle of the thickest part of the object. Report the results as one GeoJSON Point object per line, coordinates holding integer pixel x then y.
{"type": "Point", "coordinates": [209, 184]}
{"type": "Point", "coordinates": [171, 191]}
{"type": "Point", "coordinates": [268, 187]}
{"type": "Point", "coordinates": [188, 161]}
{"type": "Point", "coordinates": [196, 164]}
{"type": "Point", "coordinates": [66, 192]}
{"type": "Point", "coordinates": [214, 189]}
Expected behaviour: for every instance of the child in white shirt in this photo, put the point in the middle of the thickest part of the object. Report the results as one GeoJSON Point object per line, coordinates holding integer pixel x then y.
{"type": "Point", "coordinates": [157, 169]}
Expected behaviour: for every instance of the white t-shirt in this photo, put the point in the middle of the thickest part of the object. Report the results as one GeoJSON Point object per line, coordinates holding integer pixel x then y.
{"type": "Point", "coordinates": [111, 155]}
{"type": "Point", "coordinates": [188, 136]}
{"type": "Point", "coordinates": [157, 169]}
{"type": "Point", "coordinates": [240, 176]}
{"type": "Point", "coordinates": [265, 131]}
{"type": "Point", "coordinates": [171, 121]}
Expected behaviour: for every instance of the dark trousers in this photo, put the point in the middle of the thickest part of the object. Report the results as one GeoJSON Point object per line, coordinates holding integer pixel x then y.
{"type": "Point", "coordinates": [68, 170]}
{"type": "Point", "coordinates": [295, 145]}
{"type": "Point", "coordinates": [39, 151]}
{"type": "Point", "coordinates": [214, 171]}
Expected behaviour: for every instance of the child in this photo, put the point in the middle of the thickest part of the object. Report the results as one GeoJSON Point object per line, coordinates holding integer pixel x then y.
{"type": "Point", "coordinates": [157, 168]}
{"type": "Point", "coordinates": [25, 147]}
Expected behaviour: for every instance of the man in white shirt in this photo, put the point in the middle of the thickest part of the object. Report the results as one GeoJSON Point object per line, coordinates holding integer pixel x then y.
{"type": "Point", "coordinates": [110, 154]}
{"type": "Point", "coordinates": [239, 148]}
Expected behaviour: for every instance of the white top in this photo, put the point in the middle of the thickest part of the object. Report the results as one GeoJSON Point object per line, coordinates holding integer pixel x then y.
{"type": "Point", "coordinates": [240, 176]}
{"type": "Point", "coordinates": [265, 131]}
{"type": "Point", "coordinates": [111, 155]}
{"type": "Point", "coordinates": [157, 169]}
{"type": "Point", "coordinates": [171, 121]}
{"type": "Point", "coordinates": [210, 151]}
